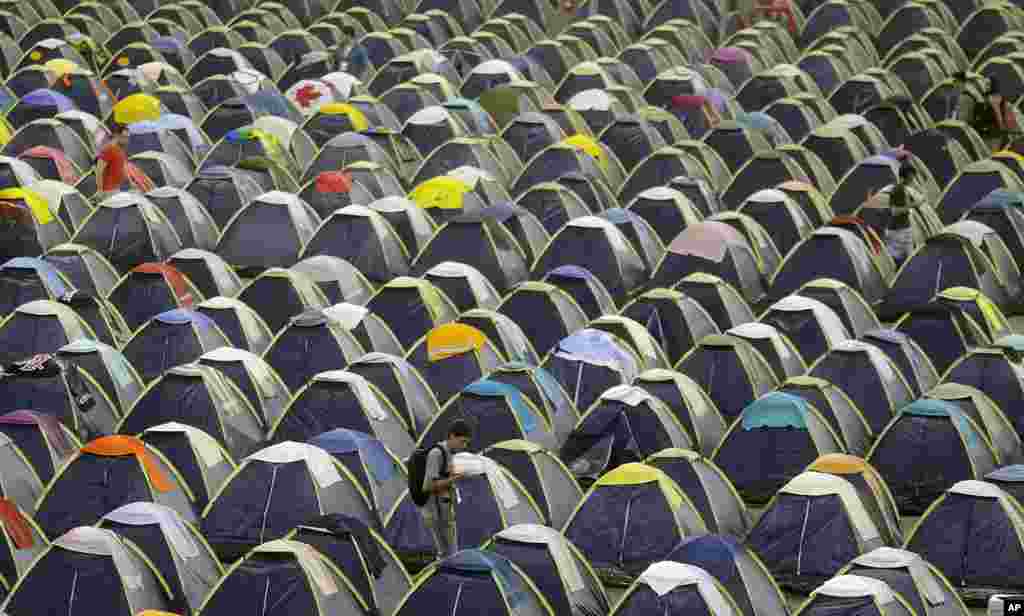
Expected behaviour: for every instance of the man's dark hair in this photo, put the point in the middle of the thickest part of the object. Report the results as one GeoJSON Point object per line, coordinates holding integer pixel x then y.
{"type": "Point", "coordinates": [118, 129]}
{"type": "Point", "coordinates": [460, 427]}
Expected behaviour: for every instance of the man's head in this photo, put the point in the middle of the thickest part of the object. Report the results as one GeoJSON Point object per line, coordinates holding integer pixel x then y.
{"type": "Point", "coordinates": [459, 435]}
{"type": "Point", "coordinates": [119, 134]}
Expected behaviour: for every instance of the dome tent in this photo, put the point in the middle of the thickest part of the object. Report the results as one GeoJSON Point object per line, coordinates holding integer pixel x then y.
{"type": "Point", "coordinates": [543, 475]}
{"type": "Point", "coordinates": [338, 399]}
{"type": "Point", "coordinates": [401, 384]}
{"type": "Point", "coordinates": [871, 596]}
{"type": "Point", "coordinates": [204, 398]}
{"type": "Point", "coordinates": [174, 548]}
{"type": "Point", "coordinates": [500, 588]}
{"type": "Point", "coordinates": [308, 483]}
{"type": "Point", "coordinates": [874, 493]}
{"type": "Point", "coordinates": [314, 341]}
{"type": "Point", "coordinates": [499, 411]}
{"type": "Point", "coordinates": [811, 528]}
{"type": "Point", "coordinates": [171, 339]}
{"type": "Point", "coordinates": [774, 438]}
{"type": "Point", "coordinates": [451, 356]}
{"type": "Point", "coordinates": [241, 325]}
{"type": "Point", "coordinates": [708, 488]}
{"type": "Point", "coordinates": [45, 443]}
{"type": "Point", "coordinates": [296, 578]}
{"type": "Point", "coordinates": [255, 379]}
{"type": "Point", "coordinates": [630, 519]}
{"type": "Point", "coordinates": [980, 528]}
{"type": "Point", "coordinates": [925, 449]}
{"type": "Point", "coordinates": [919, 582]}
{"type": "Point", "coordinates": [93, 566]}
{"type": "Point", "coordinates": [739, 570]}
{"type": "Point", "coordinates": [362, 555]}
{"type": "Point", "coordinates": [106, 473]}
{"type": "Point", "coordinates": [562, 574]}
{"type": "Point", "coordinates": [625, 424]}
{"type": "Point", "coordinates": [668, 585]}
{"type": "Point", "coordinates": [203, 463]}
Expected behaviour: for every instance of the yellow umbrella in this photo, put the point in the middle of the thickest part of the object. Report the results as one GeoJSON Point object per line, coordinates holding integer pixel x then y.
{"type": "Point", "coordinates": [442, 192]}
{"type": "Point", "coordinates": [356, 117]}
{"type": "Point", "coordinates": [588, 145]}
{"type": "Point", "coordinates": [36, 204]}
{"type": "Point", "coordinates": [137, 108]}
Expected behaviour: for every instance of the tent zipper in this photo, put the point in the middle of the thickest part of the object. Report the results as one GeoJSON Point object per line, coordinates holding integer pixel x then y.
{"type": "Point", "coordinates": [803, 532]}
{"type": "Point", "coordinates": [625, 528]}
{"type": "Point", "coordinates": [266, 507]}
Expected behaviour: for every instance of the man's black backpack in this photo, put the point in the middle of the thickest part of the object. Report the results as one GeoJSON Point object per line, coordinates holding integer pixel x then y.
{"type": "Point", "coordinates": [417, 468]}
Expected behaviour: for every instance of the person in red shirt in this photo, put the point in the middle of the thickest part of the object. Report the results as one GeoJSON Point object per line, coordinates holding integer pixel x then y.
{"type": "Point", "coordinates": [112, 162]}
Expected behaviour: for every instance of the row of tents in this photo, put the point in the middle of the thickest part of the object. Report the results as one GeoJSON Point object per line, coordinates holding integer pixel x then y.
{"type": "Point", "coordinates": [637, 245]}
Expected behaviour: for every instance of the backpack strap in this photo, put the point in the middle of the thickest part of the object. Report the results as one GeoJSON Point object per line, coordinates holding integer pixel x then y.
{"type": "Point", "coordinates": [444, 459]}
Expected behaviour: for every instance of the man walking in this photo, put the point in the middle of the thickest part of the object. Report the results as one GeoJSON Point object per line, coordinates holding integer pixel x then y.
{"type": "Point", "coordinates": [439, 483]}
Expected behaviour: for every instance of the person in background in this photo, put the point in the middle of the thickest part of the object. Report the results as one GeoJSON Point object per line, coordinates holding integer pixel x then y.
{"type": "Point", "coordinates": [993, 118]}
{"type": "Point", "coordinates": [112, 163]}
{"type": "Point", "coordinates": [439, 481]}
{"type": "Point", "coordinates": [899, 234]}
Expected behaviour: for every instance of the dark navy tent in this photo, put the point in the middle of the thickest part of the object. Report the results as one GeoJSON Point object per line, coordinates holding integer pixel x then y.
{"type": "Point", "coordinates": [730, 370]}
{"type": "Point", "coordinates": [170, 339]}
{"type": "Point", "coordinates": [562, 574]}
{"type": "Point", "coordinates": [814, 526]}
{"type": "Point", "coordinates": [279, 294]}
{"type": "Point", "coordinates": [312, 343]}
{"type": "Point", "coordinates": [775, 438]}
{"type": "Point", "coordinates": [401, 384]}
{"type": "Point", "coordinates": [174, 548]}
{"type": "Point", "coordinates": [207, 271]}
{"type": "Point", "coordinates": [631, 518]}
{"type": "Point", "coordinates": [307, 483]}
{"type": "Point", "coordinates": [118, 470]}
{"type": "Point", "coordinates": [91, 566]}
{"type": "Point", "coordinates": [869, 377]}
{"type": "Point", "coordinates": [972, 534]}
{"type": "Point", "coordinates": [295, 578]}
{"type": "Point", "coordinates": [203, 463]}
{"type": "Point", "coordinates": [708, 489]}
{"type": "Point", "coordinates": [737, 568]}
{"type": "Point", "coordinates": [338, 399]}
{"type": "Point", "coordinates": [491, 584]}
{"type": "Point", "coordinates": [366, 560]}
{"type": "Point", "coordinates": [202, 397]}
{"type": "Point", "coordinates": [625, 424]}
{"type": "Point", "coordinates": [927, 448]}
{"type": "Point", "coordinates": [499, 411]}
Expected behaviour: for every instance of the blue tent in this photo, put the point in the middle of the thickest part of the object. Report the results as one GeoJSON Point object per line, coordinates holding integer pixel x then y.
{"type": "Point", "coordinates": [738, 568]}
{"type": "Point", "coordinates": [813, 527]}
{"type": "Point", "coordinates": [776, 437]}
{"type": "Point", "coordinates": [589, 362]}
{"type": "Point", "coordinates": [499, 411]}
{"type": "Point", "coordinates": [367, 561]}
{"type": "Point", "coordinates": [339, 399]}
{"type": "Point", "coordinates": [309, 345]}
{"type": "Point", "coordinates": [473, 582]}
{"type": "Point", "coordinates": [632, 517]}
{"type": "Point", "coordinates": [972, 533]}
{"type": "Point", "coordinates": [170, 339]}
{"type": "Point", "coordinates": [927, 448]}
{"type": "Point", "coordinates": [24, 279]}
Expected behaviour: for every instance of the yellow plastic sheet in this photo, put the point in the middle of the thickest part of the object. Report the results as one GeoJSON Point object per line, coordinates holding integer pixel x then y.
{"type": "Point", "coordinates": [36, 203]}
